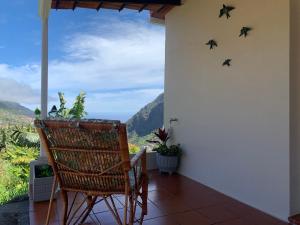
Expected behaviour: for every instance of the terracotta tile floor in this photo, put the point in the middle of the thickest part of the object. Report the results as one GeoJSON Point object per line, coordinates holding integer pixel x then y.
{"type": "Point", "coordinates": [173, 200]}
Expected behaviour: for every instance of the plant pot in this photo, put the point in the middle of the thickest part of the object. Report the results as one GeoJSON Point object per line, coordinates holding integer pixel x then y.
{"type": "Point", "coordinates": [41, 187]}
{"type": "Point", "coordinates": [168, 164]}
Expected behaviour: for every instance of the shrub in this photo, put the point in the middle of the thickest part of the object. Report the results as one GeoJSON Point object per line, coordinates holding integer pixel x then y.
{"type": "Point", "coordinates": [162, 147]}
{"type": "Point", "coordinates": [76, 112]}
{"type": "Point", "coordinates": [15, 157]}
{"type": "Point", "coordinates": [11, 186]}
{"type": "Point", "coordinates": [133, 149]}
{"type": "Point", "coordinates": [43, 171]}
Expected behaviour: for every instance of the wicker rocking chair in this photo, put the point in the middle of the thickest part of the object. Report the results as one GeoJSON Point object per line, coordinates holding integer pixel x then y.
{"type": "Point", "coordinates": [91, 162]}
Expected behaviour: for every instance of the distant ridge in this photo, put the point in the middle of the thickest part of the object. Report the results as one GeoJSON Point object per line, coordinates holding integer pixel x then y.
{"type": "Point", "coordinates": [14, 113]}
{"type": "Point", "coordinates": [148, 119]}
{"type": "Point", "coordinates": [16, 108]}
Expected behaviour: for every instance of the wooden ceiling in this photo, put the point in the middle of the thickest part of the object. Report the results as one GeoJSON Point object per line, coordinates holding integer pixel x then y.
{"type": "Point", "coordinates": [157, 8]}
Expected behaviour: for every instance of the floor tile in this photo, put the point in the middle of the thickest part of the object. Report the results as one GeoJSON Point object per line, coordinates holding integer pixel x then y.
{"type": "Point", "coordinates": [166, 220]}
{"type": "Point", "coordinates": [190, 218]}
{"type": "Point", "coordinates": [172, 200]}
{"type": "Point", "coordinates": [217, 214]}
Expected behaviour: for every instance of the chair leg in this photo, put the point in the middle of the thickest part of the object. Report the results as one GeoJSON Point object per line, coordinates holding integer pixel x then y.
{"type": "Point", "coordinates": [90, 204]}
{"type": "Point", "coordinates": [126, 209]}
{"type": "Point", "coordinates": [51, 200]}
{"type": "Point", "coordinates": [131, 210]}
{"type": "Point", "coordinates": [141, 219]}
{"type": "Point", "coordinates": [144, 195]}
{"type": "Point", "coordinates": [65, 208]}
{"type": "Point", "coordinates": [114, 210]}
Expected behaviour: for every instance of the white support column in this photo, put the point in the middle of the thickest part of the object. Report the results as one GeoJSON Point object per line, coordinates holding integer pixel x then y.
{"type": "Point", "coordinates": [44, 75]}
{"type": "Point", "coordinates": [44, 9]}
{"type": "Point", "coordinates": [44, 70]}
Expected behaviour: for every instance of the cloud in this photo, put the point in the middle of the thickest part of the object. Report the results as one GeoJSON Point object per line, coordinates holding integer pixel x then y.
{"type": "Point", "coordinates": [21, 84]}
{"type": "Point", "coordinates": [121, 55]}
{"type": "Point", "coordinates": [123, 101]}
{"type": "Point", "coordinates": [17, 92]}
{"type": "Point", "coordinates": [119, 64]}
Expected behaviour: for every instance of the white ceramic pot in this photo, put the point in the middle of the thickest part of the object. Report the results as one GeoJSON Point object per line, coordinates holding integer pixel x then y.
{"type": "Point", "coordinates": [167, 164]}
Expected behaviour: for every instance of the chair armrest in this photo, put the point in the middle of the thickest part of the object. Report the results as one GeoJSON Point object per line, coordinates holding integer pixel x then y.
{"type": "Point", "coordinates": [138, 165]}
{"type": "Point", "coordinates": [139, 156]}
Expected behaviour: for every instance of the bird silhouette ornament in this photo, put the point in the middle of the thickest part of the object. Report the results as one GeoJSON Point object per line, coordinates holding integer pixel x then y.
{"type": "Point", "coordinates": [212, 44]}
{"type": "Point", "coordinates": [226, 11]}
{"type": "Point", "coordinates": [245, 31]}
{"type": "Point", "coordinates": [227, 62]}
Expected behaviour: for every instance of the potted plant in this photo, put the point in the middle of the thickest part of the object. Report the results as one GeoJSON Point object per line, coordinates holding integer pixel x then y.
{"type": "Point", "coordinates": [43, 179]}
{"type": "Point", "coordinates": [167, 156]}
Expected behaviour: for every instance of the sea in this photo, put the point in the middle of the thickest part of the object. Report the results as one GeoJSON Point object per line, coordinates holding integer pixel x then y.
{"type": "Point", "coordinates": [123, 117]}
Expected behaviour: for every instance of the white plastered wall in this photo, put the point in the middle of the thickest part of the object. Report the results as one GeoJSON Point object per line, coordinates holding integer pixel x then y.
{"type": "Point", "coordinates": [233, 123]}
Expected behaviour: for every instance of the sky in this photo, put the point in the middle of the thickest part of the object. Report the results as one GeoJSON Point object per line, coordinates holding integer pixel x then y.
{"type": "Point", "coordinates": [117, 58]}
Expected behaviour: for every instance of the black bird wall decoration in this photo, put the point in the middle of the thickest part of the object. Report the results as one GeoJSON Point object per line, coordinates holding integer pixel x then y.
{"type": "Point", "coordinates": [212, 44]}
{"type": "Point", "coordinates": [227, 62]}
{"type": "Point", "coordinates": [245, 31]}
{"type": "Point", "coordinates": [226, 11]}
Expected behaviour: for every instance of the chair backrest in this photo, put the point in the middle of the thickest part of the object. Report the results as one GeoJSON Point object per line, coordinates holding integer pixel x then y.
{"type": "Point", "coordinates": [89, 156]}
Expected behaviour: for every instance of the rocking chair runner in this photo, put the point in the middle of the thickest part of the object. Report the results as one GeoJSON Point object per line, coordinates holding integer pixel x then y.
{"type": "Point", "coordinates": [91, 157]}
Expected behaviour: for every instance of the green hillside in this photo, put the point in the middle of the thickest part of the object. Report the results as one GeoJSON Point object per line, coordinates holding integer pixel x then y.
{"type": "Point", "coordinates": [14, 113]}
{"type": "Point", "coordinates": [144, 122]}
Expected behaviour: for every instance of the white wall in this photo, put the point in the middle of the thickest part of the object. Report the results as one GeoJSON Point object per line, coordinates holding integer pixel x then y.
{"type": "Point", "coordinates": [233, 122]}
{"type": "Point", "coordinates": [295, 106]}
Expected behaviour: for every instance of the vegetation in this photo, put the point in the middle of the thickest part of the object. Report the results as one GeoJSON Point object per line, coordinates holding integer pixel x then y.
{"type": "Point", "coordinates": [19, 146]}
{"type": "Point", "coordinates": [13, 113]}
{"type": "Point", "coordinates": [43, 171]}
{"type": "Point", "coordinates": [147, 119]}
{"type": "Point", "coordinates": [141, 126]}
{"type": "Point", "coordinates": [15, 108]}
{"type": "Point", "coordinates": [161, 141]}
{"type": "Point", "coordinates": [133, 149]}
{"type": "Point", "coordinates": [76, 112]}
{"type": "Point", "coordinates": [19, 142]}
{"type": "Point", "coordinates": [140, 141]}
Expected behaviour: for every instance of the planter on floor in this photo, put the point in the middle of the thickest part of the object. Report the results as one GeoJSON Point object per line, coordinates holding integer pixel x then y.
{"type": "Point", "coordinates": [42, 182]}
{"type": "Point", "coordinates": [168, 164]}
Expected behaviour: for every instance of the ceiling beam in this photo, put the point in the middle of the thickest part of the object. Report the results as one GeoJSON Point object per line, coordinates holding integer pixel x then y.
{"type": "Point", "coordinates": [122, 7]}
{"type": "Point", "coordinates": [75, 4]}
{"type": "Point", "coordinates": [57, 4]}
{"type": "Point", "coordinates": [143, 7]}
{"type": "Point", "coordinates": [99, 6]}
{"type": "Point", "coordinates": [167, 2]}
{"type": "Point", "coordinates": [160, 9]}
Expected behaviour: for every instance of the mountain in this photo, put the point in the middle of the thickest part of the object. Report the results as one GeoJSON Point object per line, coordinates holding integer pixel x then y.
{"type": "Point", "coordinates": [16, 108]}
{"type": "Point", "coordinates": [14, 113]}
{"type": "Point", "coordinates": [147, 119]}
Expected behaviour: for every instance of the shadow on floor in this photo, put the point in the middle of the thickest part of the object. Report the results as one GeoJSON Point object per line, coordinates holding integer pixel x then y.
{"type": "Point", "coordinates": [15, 212]}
